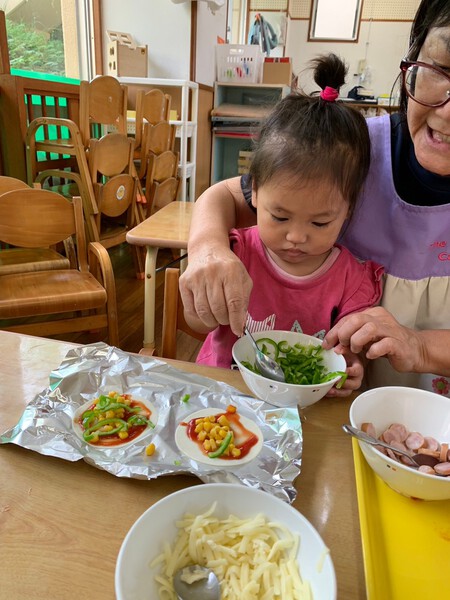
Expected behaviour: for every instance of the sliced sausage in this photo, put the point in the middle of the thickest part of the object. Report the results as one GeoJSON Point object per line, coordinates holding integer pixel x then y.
{"type": "Point", "coordinates": [415, 440]}
{"type": "Point", "coordinates": [442, 468]}
{"type": "Point", "coordinates": [400, 431]}
{"type": "Point", "coordinates": [431, 443]}
{"type": "Point", "coordinates": [443, 452]}
{"type": "Point", "coordinates": [427, 469]}
{"type": "Point", "coordinates": [369, 428]}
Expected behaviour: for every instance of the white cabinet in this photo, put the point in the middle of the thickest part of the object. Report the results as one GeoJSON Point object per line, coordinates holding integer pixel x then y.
{"type": "Point", "coordinates": [238, 111]}
{"type": "Point", "coordinates": [186, 125]}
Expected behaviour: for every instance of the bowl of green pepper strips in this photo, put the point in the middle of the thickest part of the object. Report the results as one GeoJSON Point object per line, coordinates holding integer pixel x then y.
{"type": "Point", "coordinates": [310, 371]}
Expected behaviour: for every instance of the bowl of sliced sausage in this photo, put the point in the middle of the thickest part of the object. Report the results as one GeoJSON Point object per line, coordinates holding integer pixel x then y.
{"type": "Point", "coordinates": [412, 420]}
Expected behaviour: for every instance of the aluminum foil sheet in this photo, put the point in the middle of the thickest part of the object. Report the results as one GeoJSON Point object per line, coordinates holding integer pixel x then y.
{"type": "Point", "coordinates": [47, 424]}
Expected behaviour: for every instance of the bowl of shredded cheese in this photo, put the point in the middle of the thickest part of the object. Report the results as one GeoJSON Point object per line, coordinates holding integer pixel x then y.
{"type": "Point", "coordinates": [257, 544]}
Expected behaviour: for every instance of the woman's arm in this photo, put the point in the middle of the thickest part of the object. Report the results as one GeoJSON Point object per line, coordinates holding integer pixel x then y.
{"type": "Point", "coordinates": [215, 287]}
{"type": "Point", "coordinates": [376, 332]}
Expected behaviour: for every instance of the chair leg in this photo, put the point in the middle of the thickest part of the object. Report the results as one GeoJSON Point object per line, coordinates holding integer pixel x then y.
{"type": "Point", "coordinates": [139, 260]}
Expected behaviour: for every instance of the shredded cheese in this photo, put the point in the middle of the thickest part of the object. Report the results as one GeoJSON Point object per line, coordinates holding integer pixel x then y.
{"type": "Point", "coordinates": [254, 559]}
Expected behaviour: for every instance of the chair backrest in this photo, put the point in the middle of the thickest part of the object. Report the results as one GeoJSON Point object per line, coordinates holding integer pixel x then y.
{"type": "Point", "coordinates": [111, 167]}
{"type": "Point", "coordinates": [162, 194]}
{"type": "Point", "coordinates": [152, 107]}
{"type": "Point", "coordinates": [158, 138]}
{"type": "Point", "coordinates": [34, 218]}
{"type": "Point", "coordinates": [173, 316]}
{"type": "Point", "coordinates": [8, 184]}
{"type": "Point", "coordinates": [111, 155]}
{"type": "Point", "coordinates": [103, 101]}
{"type": "Point", "coordinates": [161, 167]}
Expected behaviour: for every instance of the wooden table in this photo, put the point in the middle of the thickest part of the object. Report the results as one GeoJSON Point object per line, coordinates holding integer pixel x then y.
{"type": "Point", "coordinates": [62, 523]}
{"type": "Point", "coordinates": [167, 228]}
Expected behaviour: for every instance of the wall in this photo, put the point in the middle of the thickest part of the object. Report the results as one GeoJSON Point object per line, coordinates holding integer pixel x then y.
{"type": "Point", "coordinates": [383, 44]}
{"type": "Point", "coordinates": [210, 24]}
{"type": "Point", "coordinates": [164, 26]}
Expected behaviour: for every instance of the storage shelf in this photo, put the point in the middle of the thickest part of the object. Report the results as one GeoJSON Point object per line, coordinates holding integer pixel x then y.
{"type": "Point", "coordinates": [186, 126]}
{"type": "Point", "coordinates": [238, 104]}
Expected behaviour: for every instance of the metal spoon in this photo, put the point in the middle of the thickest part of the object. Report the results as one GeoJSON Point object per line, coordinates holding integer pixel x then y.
{"type": "Point", "coordinates": [417, 460]}
{"type": "Point", "coordinates": [269, 368]}
{"type": "Point", "coordinates": [204, 586]}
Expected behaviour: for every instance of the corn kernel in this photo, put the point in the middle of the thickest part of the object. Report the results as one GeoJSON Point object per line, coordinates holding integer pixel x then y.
{"type": "Point", "coordinates": [231, 408]}
{"type": "Point", "coordinates": [207, 425]}
{"type": "Point", "coordinates": [107, 428]}
{"type": "Point", "coordinates": [223, 433]}
{"type": "Point", "coordinates": [112, 394]}
{"type": "Point", "coordinates": [207, 445]}
{"type": "Point", "coordinates": [109, 414]}
{"type": "Point", "coordinates": [213, 445]}
{"type": "Point", "coordinates": [222, 420]}
{"type": "Point", "coordinates": [212, 418]}
{"type": "Point", "coordinates": [150, 450]}
{"type": "Point", "coordinates": [123, 435]}
{"type": "Point", "coordinates": [199, 428]}
{"type": "Point", "coordinates": [201, 436]}
{"type": "Point", "coordinates": [235, 452]}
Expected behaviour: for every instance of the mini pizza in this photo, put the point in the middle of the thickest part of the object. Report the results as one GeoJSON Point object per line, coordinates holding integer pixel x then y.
{"type": "Point", "coordinates": [114, 419]}
{"type": "Point", "coordinates": [217, 437]}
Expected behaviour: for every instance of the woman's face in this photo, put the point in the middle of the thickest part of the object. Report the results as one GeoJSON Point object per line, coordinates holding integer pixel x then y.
{"type": "Point", "coordinates": [430, 127]}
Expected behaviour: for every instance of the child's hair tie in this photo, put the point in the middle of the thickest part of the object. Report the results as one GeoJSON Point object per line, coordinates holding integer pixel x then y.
{"type": "Point", "coordinates": [329, 94]}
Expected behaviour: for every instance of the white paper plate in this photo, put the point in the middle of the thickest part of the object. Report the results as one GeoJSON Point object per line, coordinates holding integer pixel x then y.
{"type": "Point", "coordinates": [193, 451]}
{"type": "Point", "coordinates": [79, 430]}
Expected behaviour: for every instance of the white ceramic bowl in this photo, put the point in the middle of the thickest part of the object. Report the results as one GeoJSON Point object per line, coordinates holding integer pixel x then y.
{"type": "Point", "coordinates": [418, 410]}
{"type": "Point", "coordinates": [285, 394]}
{"type": "Point", "coordinates": [134, 579]}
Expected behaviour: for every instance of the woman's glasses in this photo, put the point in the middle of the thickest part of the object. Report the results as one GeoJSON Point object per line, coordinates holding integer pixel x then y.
{"type": "Point", "coordinates": [425, 84]}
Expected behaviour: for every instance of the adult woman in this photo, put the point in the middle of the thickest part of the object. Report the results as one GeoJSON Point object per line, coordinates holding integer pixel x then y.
{"type": "Point", "coordinates": [401, 222]}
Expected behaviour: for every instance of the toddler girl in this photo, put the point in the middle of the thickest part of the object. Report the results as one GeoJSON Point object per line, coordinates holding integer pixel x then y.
{"type": "Point", "coordinates": [310, 162]}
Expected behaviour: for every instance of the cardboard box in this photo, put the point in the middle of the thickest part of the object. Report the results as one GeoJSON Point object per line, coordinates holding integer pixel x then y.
{"type": "Point", "coordinates": [277, 70]}
{"type": "Point", "coordinates": [244, 161]}
{"type": "Point", "coordinates": [125, 59]}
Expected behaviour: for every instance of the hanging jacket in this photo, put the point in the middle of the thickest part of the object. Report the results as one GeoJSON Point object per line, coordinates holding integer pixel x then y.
{"type": "Point", "coordinates": [263, 34]}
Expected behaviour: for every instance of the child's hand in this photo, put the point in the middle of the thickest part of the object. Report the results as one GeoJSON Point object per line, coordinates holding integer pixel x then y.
{"type": "Point", "coordinates": [355, 373]}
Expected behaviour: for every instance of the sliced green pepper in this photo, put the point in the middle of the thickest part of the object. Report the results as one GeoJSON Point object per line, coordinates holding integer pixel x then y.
{"type": "Point", "coordinates": [223, 446]}
{"type": "Point", "coordinates": [123, 425]}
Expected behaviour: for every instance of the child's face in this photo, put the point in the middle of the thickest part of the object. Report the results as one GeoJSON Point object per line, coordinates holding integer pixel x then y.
{"type": "Point", "coordinates": [299, 224]}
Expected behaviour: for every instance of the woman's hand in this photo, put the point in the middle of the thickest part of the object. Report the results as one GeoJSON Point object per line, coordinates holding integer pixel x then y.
{"type": "Point", "coordinates": [215, 288]}
{"type": "Point", "coordinates": [355, 373]}
{"type": "Point", "coordinates": [377, 333]}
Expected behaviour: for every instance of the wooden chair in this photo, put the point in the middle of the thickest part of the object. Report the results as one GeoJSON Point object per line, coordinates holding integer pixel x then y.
{"type": "Point", "coordinates": [8, 184]}
{"type": "Point", "coordinates": [152, 107]}
{"type": "Point", "coordinates": [59, 301]}
{"type": "Point", "coordinates": [161, 194]}
{"type": "Point", "coordinates": [159, 168]}
{"type": "Point", "coordinates": [22, 260]}
{"type": "Point", "coordinates": [155, 139]}
{"type": "Point", "coordinates": [103, 104]}
{"type": "Point", "coordinates": [173, 316]}
{"type": "Point", "coordinates": [115, 188]}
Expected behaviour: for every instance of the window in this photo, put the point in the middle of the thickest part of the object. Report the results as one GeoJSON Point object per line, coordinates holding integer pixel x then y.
{"type": "Point", "coordinates": [332, 20]}
{"type": "Point", "coordinates": [51, 37]}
